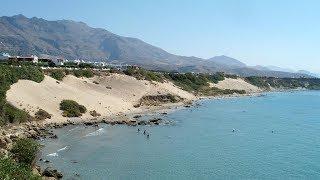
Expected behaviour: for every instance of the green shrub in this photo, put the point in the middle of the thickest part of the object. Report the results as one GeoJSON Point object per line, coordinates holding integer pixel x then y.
{"type": "Point", "coordinates": [258, 81]}
{"type": "Point", "coordinates": [42, 115]}
{"type": "Point", "coordinates": [8, 76]}
{"type": "Point", "coordinates": [9, 169]}
{"type": "Point", "coordinates": [24, 151]}
{"type": "Point", "coordinates": [57, 74]}
{"type": "Point", "coordinates": [71, 108]}
{"type": "Point", "coordinates": [83, 73]}
{"type": "Point", "coordinates": [15, 115]}
{"type": "Point", "coordinates": [188, 81]}
{"type": "Point", "coordinates": [142, 74]}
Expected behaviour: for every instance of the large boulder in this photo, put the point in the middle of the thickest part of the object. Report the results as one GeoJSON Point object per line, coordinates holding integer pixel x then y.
{"type": "Point", "coordinates": [50, 172]}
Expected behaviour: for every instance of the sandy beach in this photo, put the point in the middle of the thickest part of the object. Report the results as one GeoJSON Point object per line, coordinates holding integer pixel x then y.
{"type": "Point", "coordinates": [110, 96]}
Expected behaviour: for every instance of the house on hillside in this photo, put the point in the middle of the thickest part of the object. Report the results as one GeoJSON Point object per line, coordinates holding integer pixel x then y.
{"type": "Point", "coordinates": [33, 59]}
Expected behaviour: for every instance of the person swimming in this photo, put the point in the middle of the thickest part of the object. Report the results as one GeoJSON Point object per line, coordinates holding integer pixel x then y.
{"type": "Point", "coordinates": [144, 132]}
{"type": "Point", "coordinates": [138, 130]}
{"type": "Point", "coordinates": [233, 130]}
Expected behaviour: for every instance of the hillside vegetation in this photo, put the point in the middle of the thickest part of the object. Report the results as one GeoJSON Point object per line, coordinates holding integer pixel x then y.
{"type": "Point", "coordinates": [20, 160]}
{"type": "Point", "coordinates": [8, 76]}
{"type": "Point", "coordinates": [284, 83]}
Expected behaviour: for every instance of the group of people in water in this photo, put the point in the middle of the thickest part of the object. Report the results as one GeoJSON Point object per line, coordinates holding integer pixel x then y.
{"type": "Point", "coordinates": [145, 133]}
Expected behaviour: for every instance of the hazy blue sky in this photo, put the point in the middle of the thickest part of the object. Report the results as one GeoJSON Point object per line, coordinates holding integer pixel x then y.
{"type": "Point", "coordinates": [284, 33]}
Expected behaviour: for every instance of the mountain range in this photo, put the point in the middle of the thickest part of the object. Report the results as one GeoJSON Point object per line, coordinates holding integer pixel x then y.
{"type": "Point", "coordinates": [76, 40]}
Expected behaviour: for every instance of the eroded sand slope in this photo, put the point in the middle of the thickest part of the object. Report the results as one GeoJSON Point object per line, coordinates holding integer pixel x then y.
{"type": "Point", "coordinates": [107, 95]}
{"type": "Point", "coordinates": [237, 84]}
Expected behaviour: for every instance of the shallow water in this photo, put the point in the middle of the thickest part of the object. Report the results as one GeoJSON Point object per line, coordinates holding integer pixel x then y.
{"type": "Point", "coordinates": [276, 137]}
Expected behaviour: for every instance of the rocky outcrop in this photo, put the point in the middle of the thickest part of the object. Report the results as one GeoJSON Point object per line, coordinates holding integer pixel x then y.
{"type": "Point", "coordinates": [50, 172]}
{"type": "Point", "coordinates": [10, 134]}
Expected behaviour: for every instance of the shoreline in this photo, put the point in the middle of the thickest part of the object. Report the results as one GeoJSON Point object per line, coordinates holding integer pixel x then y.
{"type": "Point", "coordinates": [38, 130]}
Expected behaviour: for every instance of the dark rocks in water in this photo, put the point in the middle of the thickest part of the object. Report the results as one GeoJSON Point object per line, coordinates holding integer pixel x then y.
{"type": "Point", "coordinates": [46, 161]}
{"type": "Point", "coordinates": [187, 106]}
{"type": "Point", "coordinates": [89, 123]}
{"type": "Point", "coordinates": [137, 116]}
{"type": "Point", "coordinates": [50, 172]}
{"type": "Point", "coordinates": [74, 161]}
{"type": "Point", "coordinates": [112, 123]}
{"type": "Point", "coordinates": [142, 123]}
{"type": "Point", "coordinates": [155, 121]}
{"type": "Point", "coordinates": [53, 136]}
{"type": "Point", "coordinates": [164, 113]}
{"type": "Point", "coordinates": [132, 123]}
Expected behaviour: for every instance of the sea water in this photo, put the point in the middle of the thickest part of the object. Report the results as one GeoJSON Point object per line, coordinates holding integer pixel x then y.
{"type": "Point", "coordinates": [271, 137]}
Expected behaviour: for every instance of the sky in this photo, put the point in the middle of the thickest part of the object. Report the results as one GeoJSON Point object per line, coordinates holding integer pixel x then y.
{"type": "Point", "coordinates": [283, 33]}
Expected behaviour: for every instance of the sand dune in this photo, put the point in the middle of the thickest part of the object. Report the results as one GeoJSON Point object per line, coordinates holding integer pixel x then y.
{"type": "Point", "coordinates": [107, 95]}
{"type": "Point", "coordinates": [237, 84]}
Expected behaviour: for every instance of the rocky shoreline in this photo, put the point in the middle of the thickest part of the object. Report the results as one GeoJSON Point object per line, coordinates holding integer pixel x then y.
{"type": "Point", "coordinates": [39, 130]}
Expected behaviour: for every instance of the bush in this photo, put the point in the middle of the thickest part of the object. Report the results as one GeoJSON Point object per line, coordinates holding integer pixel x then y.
{"type": "Point", "coordinates": [42, 115]}
{"type": "Point", "coordinates": [8, 76]}
{"type": "Point", "coordinates": [71, 108]}
{"type": "Point", "coordinates": [83, 73]}
{"type": "Point", "coordinates": [94, 113]}
{"type": "Point", "coordinates": [9, 169]}
{"type": "Point", "coordinates": [142, 74]}
{"type": "Point", "coordinates": [24, 151]}
{"type": "Point", "coordinates": [188, 81]}
{"type": "Point", "coordinates": [57, 74]}
{"type": "Point", "coordinates": [14, 115]}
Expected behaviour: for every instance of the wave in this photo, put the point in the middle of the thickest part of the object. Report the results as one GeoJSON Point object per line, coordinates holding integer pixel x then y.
{"type": "Point", "coordinates": [96, 133]}
{"type": "Point", "coordinates": [73, 128]}
{"type": "Point", "coordinates": [53, 154]}
{"type": "Point", "coordinates": [62, 149]}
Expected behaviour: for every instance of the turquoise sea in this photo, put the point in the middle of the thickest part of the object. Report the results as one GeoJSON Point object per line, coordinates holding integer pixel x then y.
{"type": "Point", "coordinates": [276, 136]}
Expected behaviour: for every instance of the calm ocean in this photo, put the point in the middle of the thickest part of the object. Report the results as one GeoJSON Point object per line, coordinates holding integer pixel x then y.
{"type": "Point", "coordinates": [275, 137]}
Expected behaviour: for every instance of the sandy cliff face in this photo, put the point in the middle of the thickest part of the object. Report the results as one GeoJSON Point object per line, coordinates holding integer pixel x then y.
{"type": "Point", "coordinates": [236, 84]}
{"type": "Point", "coordinates": [107, 95]}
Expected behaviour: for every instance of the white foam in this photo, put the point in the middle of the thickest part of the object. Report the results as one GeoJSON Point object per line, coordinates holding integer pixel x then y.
{"type": "Point", "coordinates": [74, 128]}
{"type": "Point", "coordinates": [53, 154]}
{"type": "Point", "coordinates": [96, 133]}
{"type": "Point", "coordinates": [62, 149]}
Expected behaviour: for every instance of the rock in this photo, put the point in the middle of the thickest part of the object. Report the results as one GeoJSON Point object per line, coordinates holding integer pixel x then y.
{"type": "Point", "coordinates": [50, 172]}
{"type": "Point", "coordinates": [137, 116]}
{"type": "Point", "coordinates": [142, 123]}
{"type": "Point", "coordinates": [4, 152]}
{"type": "Point", "coordinates": [8, 140]}
{"type": "Point", "coordinates": [132, 123]}
{"type": "Point", "coordinates": [54, 136]}
{"type": "Point", "coordinates": [89, 123]}
{"type": "Point", "coordinates": [155, 121]}
{"type": "Point", "coordinates": [32, 134]}
{"type": "Point", "coordinates": [36, 170]}
{"type": "Point", "coordinates": [94, 113]}
{"type": "Point", "coordinates": [46, 161]}
{"type": "Point", "coordinates": [3, 142]}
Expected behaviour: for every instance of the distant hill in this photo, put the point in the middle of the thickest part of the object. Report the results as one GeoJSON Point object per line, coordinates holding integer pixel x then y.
{"type": "Point", "coordinates": [76, 40]}
{"type": "Point", "coordinates": [227, 62]}
{"type": "Point", "coordinates": [309, 73]}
